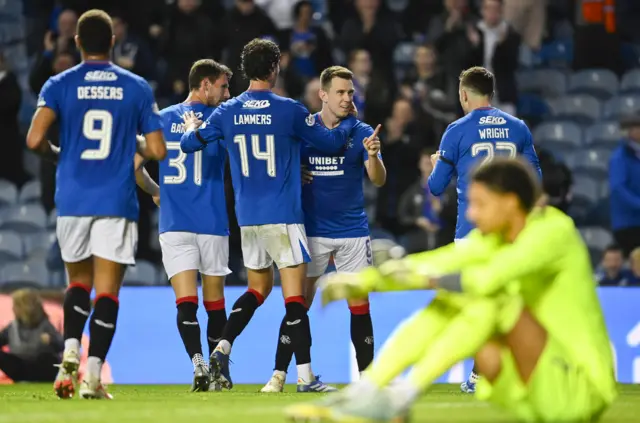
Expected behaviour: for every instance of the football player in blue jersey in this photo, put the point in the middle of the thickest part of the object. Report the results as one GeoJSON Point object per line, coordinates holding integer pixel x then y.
{"type": "Point", "coordinates": [263, 132]}
{"type": "Point", "coordinates": [100, 108]}
{"type": "Point", "coordinates": [483, 133]}
{"type": "Point", "coordinates": [193, 225]}
{"type": "Point", "coordinates": [335, 220]}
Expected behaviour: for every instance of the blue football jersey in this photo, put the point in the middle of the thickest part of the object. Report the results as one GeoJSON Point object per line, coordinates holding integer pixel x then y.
{"type": "Point", "coordinates": [262, 132]}
{"type": "Point", "coordinates": [100, 108]}
{"type": "Point", "coordinates": [191, 185]}
{"type": "Point", "coordinates": [480, 135]}
{"type": "Point", "coordinates": [333, 203]}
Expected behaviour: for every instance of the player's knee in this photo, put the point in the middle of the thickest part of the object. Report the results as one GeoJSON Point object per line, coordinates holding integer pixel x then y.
{"type": "Point", "coordinates": [297, 318]}
{"type": "Point", "coordinates": [488, 361]}
{"type": "Point", "coordinates": [187, 309]}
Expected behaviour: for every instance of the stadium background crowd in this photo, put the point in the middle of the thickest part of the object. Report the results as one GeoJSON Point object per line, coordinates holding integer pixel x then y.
{"type": "Point", "coordinates": [552, 60]}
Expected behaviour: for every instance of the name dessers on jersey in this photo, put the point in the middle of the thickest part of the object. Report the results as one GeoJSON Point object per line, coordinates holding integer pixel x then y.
{"type": "Point", "coordinates": [191, 185]}
{"type": "Point", "coordinates": [100, 108]}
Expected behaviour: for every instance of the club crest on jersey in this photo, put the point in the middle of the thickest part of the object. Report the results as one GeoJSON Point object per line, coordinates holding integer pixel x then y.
{"type": "Point", "coordinates": [310, 120]}
{"type": "Point", "coordinates": [348, 145]}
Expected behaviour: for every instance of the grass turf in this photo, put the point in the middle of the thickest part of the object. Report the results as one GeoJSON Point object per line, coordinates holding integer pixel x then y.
{"type": "Point", "coordinates": [26, 403]}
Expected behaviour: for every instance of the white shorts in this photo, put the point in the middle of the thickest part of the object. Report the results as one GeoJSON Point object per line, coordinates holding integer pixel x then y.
{"type": "Point", "coordinates": [286, 245]}
{"type": "Point", "coordinates": [349, 254]}
{"type": "Point", "coordinates": [110, 238]}
{"type": "Point", "coordinates": [208, 254]}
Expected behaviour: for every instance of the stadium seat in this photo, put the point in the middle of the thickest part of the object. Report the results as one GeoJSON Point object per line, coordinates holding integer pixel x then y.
{"type": "Point", "coordinates": [38, 244]}
{"type": "Point", "coordinates": [630, 82]}
{"type": "Point", "coordinates": [11, 248]}
{"type": "Point", "coordinates": [30, 193]}
{"type": "Point", "coordinates": [600, 83]}
{"type": "Point", "coordinates": [403, 54]}
{"type": "Point", "coordinates": [557, 54]}
{"type": "Point", "coordinates": [142, 274]}
{"type": "Point", "coordinates": [596, 237]}
{"type": "Point", "coordinates": [8, 193]}
{"type": "Point", "coordinates": [546, 82]}
{"type": "Point", "coordinates": [582, 108]}
{"type": "Point", "coordinates": [532, 108]}
{"type": "Point", "coordinates": [558, 137]}
{"type": "Point", "coordinates": [594, 163]}
{"type": "Point", "coordinates": [28, 218]}
{"type": "Point", "coordinates": [585, 192]}
{"type": "Point", "coordinates": [625, 105]}
{"type": "Point", "coordinates": [603, 134]}
{"type": "Point", "coordinates": [34, 273]}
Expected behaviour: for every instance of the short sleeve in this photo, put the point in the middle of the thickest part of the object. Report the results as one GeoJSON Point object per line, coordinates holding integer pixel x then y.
{"type": "Point", "coordinates": [50, 96]}
{"type": "Point", "coordinates": [149, 119]}
{"type": "Point", "coordinates": [307, 128]}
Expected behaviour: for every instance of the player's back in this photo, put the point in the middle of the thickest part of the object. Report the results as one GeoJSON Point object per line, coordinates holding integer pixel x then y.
{"type": "Point", "coordinates": [100, 108]}
{"type": "Point", "coordinates": [264, 156]}
{"type": "Point", "coordinates": [479, 136]}
{"type": "Point", "coordinates": [191, 185]}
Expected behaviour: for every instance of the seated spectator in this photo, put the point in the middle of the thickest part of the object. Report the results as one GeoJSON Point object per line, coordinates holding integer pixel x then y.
{"type": "Point", "coordinates": [612, 272]}
{"type": "Point", "coordinates": [312, 97]}
{"type": "Point", "coordinates": [34, 344]}
{"type": "Point", "coordinates": [634, 263]}
{"type": "Point", "coordinates": [624, 187]}
{"type": "Point", "coordinates": [419, 210]}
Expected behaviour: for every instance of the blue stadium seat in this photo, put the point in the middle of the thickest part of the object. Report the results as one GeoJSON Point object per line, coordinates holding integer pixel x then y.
{"type": "Point", "coordinates": [142, 274]}
{"type": "Point", "coordinates": [33, 273]}
{"type": "Point", "coordinates": [557, 54]}
{"type": "Point", "coordinates": [31, 192]}
{"type": "Point", "coordinates": [532, 108]}
{"type": "Point", "coordinates": [585, 192]}
{"type": "Point", "coordinates": [630, 82]}
{"type": "Point", "coordinates": [547, 82]}
{"type": "Point", "coordinates": [403, 54]}
{"type": "Point", "coordinates": [625, 105]}
{"type": "Point", "coordinates": [11, 248]}
{"type": "Point", "coordinates": [596, 237]}
{"type": "Point", "coordinates": [28, 218]}
{"type": "Point", "coordinates": [558, 137]}
{"type": "Point", "coordinates": [38, 244]}
{"type": "Point", "coordinates": [582, 108]}
{"type": "Point", "coordinates": [8, 193]}
{"type": "Point", "coordinates": [600, 83]}
{"type": "Point", "coordinates": [603, 134]}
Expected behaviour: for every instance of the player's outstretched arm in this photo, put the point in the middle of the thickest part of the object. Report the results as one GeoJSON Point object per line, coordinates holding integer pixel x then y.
{"type": "Point", "coordinates": [307, 128]}
{"type": "Point", "coordinates": [36, 137]}
{"type": "Point", "coordinates": [198, 134]}
{"type": "Point", "coordinates": [444, 165]}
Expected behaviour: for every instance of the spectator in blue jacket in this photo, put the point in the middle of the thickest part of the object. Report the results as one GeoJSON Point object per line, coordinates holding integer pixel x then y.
{"type": "Point", "coordinates": [624, 180]}
{"type": "Point", "coordinates": [612, 271]}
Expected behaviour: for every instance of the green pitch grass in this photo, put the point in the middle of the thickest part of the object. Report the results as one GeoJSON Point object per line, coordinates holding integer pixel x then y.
{"type": "Point", "coordinates": [26, 403]}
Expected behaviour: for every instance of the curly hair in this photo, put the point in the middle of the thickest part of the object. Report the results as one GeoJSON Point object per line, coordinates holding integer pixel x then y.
{"type": "Point", "coordinates": [259, 59]}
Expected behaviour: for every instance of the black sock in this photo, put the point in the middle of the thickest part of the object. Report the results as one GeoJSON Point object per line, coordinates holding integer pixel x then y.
{"type": "Point", "coordinates": [362, 335]}
{"type": "Point", "coordinates": [297, 320]}
{"type": "Point", "coordinates": [284, 353]}
{"type": "Point", "coordinates": [188, 325]}
{"type": "Point", "coordinates": [77, 307]}
{"type": "Point", "coordinates": [217, 320]}
{"type": "Point", "coordinates": [241, 314]}
{"type": "Point", "coordinates": [103, 326]}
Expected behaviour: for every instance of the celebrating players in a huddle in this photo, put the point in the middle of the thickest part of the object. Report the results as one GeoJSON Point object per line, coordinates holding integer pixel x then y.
{"type": "Point", "coordinates": [100, 108]}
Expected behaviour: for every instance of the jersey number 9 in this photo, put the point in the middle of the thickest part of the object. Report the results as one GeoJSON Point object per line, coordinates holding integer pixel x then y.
{"type": "Point", "coordinates": [269, 155]}
{"type": "Point", "coordinates": [97, 126]}
{"type": "Point", "coordinates": [178, 164]}
{"type": "Point", "coordinates": [486, 147]}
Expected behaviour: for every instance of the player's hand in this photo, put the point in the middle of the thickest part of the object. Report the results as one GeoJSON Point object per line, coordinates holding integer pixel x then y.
{"type": "Point", "coordinates": [372, 143]}
{"type": "Point", "coordinates": [156, 200]}
{"type": "Point", "coordinates": [307, 176]}
{"type": "Point", "coordinates": [337, 286]}
{"type": "Point", "coordinates": [45, 338]}
{"type": "Point", "coordinates": [191, 122]}
{"type": "Point", "coordinates": [435, 158]}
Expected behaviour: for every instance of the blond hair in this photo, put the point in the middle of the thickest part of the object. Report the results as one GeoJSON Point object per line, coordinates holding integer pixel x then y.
{"type": "Point", "coordinates": [27, 307]}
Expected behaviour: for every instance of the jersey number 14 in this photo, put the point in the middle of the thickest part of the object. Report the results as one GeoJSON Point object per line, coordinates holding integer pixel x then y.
{"type": "Point", "coordinates": [268, 155]}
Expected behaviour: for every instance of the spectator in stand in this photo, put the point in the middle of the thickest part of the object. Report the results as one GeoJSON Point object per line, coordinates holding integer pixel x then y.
{"type": "Point", "coordinates": [417, 15]}
{"type": "Point", "coordinates": [63, 37]}
{"type": "Point", "coordinates": [189, 35]}
{"type": "Point", "coordinates": [308, 45]}
{"type": "Point", "coordinates": [280, 12]}
{"type": "Point", "coordinates": [373, 30]}
{"type": "Point", "coordinates": [312, 97]}
{"type": "Point", "coordinates": [35, 346]}
{"type": "Point", "coordinates": [624, 180]}
{"type": "Point", "coordinates": [401, 146]}
{"type": "Point", "coordinates": [528, 18]}
{"type": "Point", "coordinates": [289, 83]}
{"type": "Point", "coordinates": [634, 263]}
{"type": "Point", "coordinates": [497, 47]}
{"type": "Point", "coordinates": [612, 271]}
{"type": "Point", "coordinates": [12, 143]}
{"type": "Point", "coordinates": [431, 88]}
{"type": "Point", "coordinates": [419, 210]}
{"type": "Point", "coordinates": [131, 52]}
{"type": "Point", "coordinates": [245, 21]}
{"type": "Point", "coordinates": [374, 91]}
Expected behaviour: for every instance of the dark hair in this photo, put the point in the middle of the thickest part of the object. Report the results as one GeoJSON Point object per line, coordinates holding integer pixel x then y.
{"type": "Point", "coordinates": [297, 8]}
{"type": "Point", "coordinates": [479, 80]}
{"type": "Point", "coordinates": [206, 69]}
{"type": "Point", "coordinates": [613, 248]}
{"type": "Point", "coordinates": [259, 58]}
{"type": "Point", "coordinates": [331, 72]}
{"type": "Point", "coordinates": [510, 176]}
{"type": "Point", "coordinates": [95, 31]}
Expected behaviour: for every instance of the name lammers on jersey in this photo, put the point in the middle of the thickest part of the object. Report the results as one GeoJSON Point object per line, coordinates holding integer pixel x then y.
{"type": "Point", "coordinates": [100, 93]}
{"type": "Point", "coordinates": [326, 166]}
{"type": "Point", "coordinates": [493, 133]}
{"type": "Point", "coordinates": [252, 119]}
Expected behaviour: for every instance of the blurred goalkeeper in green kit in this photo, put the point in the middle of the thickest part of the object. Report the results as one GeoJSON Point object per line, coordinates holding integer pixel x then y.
{"type": "Point", "coordinates": [518, 295]}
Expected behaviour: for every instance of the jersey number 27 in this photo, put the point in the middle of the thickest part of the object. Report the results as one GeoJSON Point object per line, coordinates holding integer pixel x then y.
{"type": "Point", "coordinates": [508, 148]}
